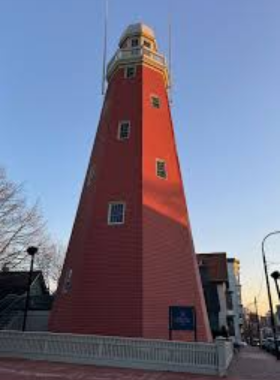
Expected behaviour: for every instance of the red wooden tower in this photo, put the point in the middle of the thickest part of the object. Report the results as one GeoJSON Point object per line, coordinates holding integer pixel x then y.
{"type": "Point", "coordinates": [131, 252]}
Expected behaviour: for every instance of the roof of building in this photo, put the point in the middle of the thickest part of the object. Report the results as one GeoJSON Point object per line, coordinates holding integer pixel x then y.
{"type": "Point", "coordinates": [233, 260]}
{"type": "Point", "coordinates": [16, 282]}
{"type": "Point", "coordinates": [216, 264]}
{"type": "Point", "coordinates": [137, 29]}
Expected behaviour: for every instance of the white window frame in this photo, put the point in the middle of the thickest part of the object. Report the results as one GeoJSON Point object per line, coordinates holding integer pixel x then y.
{"type": "Point", "coordinates": [120, 130]}
{"type": "Point", "coordinates": [160, 160]}
{"type": "Point", "coordinates": [126, 71]}
{"type": "Point", "coordinates": [110, 205]}
{"type": "Point", "coordinates": [153, 96]}
{"type": "Point", "coordinates": [145, 43]}
{"type": "Point", "coordinates": [135, 39]}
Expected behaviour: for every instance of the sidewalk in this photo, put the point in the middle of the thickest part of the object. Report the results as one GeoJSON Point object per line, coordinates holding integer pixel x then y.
{"type": "Point", "coordinates": [19, 369]}
{"type": "Point", "coordinates": [254, 364]}
{"type": "Point", "coordinates": [250, 364]}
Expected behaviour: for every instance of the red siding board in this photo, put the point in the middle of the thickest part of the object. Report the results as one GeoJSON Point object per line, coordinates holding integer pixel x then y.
{"type": "Point", "coordinates": [106, 293]}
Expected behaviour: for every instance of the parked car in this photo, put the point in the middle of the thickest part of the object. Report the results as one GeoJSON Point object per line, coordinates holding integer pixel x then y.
{"type": "Point", "coordinates": [255, 342]}
{"type": "Point", "coordinates": [272, 346]}
{"type": "Point", "coordinates": [238, 345]}
{"type": "Point", "coordinates": [267, 344]}
{"type": "Point", "coordinates": [242, 344]}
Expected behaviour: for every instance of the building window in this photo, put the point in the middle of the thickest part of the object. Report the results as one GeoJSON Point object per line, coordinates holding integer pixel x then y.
{"type": "Point", "coordinates": [147, 44]}
{"type": "Point", "coordinates": [124, 130]}
{"type": "Point", "coordinates": [130, 72]}
{"type": "Point", "coordinates": [116, 212]}
{"type": "Point", "coordinates": [125, 44]}
{"type": "Point", "coordinates": [161, 169]}
{"type": "Point", "coordinates": [155, 101]}
{"type": "Point", "coordinates": [134, 42]}
{"type": "Point", "coordinates": [67, 285]}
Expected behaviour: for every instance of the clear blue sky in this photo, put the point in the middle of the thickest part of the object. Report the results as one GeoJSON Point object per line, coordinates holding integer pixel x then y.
{"type": "Point", "coordinates": [226, 69]}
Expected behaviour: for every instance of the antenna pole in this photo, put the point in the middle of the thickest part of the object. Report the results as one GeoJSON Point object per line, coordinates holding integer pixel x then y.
{"type": "Point", "coordinates": [170, 57]}
{"type": "Point", "coordinates": [105, 48]}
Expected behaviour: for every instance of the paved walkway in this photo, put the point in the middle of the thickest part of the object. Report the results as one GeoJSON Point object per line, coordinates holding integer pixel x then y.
{"type": "Point", "coordinates": [254, 364]}
{"type": "Point", "coordinates": [250, 364]}
{"type": "Point", "coordinates": [15, 369]}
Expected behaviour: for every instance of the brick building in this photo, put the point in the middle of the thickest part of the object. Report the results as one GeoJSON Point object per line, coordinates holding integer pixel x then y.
{"type": "Point", "coordinates": [222, 290]}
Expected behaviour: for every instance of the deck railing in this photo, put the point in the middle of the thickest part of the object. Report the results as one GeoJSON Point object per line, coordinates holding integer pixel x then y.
{"type": "Point", "coordinates": [135, 53]}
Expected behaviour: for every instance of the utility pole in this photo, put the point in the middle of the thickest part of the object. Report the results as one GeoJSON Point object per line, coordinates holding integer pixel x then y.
{"type": "Point", "coordinates": [258, 320]}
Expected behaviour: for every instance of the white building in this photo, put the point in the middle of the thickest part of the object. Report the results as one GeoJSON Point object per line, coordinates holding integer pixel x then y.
{"type": "Point", "coordinates": [235, 319]}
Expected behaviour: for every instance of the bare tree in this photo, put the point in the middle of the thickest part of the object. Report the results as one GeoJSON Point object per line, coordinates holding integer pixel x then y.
{"type": "Point", "coordinates": [50, 260]}
{"type": "Point", "coordinates": [22, 225]}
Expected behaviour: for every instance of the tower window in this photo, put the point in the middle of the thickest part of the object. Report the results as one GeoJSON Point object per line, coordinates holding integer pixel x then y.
{"type": "Point", "coordinates": [116, 212]}
{"type": "Point", "coordinates": [161, 169]}
{"type": "Point", "coordinates": [147, 44]}
{"type": "Point", "coordinates": [155, 101]}
{"type": "Point", "coordinates": [124, 130]}
{"type": "Point", "coordinates": [134, 42]}
{"type": "Point", "coordinates": [130, 72]}
{"type": "Point", "coordinates": [67, 281]}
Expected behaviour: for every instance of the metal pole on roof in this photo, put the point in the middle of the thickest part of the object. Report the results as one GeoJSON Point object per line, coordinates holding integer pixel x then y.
{"type": "Point", "coordinates": [31, 251]}
{"type": "Point", "coordinates": [105, 49]}
{"type": "Point", "coordinates": [170, 57]}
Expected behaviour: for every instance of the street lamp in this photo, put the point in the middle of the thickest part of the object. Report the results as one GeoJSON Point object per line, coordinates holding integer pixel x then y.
{"type": "Point", "coordinates": [31, 252]}
{"type": "Point", "coordinates": [276, 276]}
{"type": "Point", "coordinates": [269, 293]}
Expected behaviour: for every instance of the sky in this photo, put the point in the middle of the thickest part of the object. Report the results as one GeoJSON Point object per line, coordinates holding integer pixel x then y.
{"type": "Point", "coordinates": [226, 111]}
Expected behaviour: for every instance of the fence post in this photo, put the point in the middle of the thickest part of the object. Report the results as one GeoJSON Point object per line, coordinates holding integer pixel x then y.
{"type": "Point", "coordinates": [221, 352]}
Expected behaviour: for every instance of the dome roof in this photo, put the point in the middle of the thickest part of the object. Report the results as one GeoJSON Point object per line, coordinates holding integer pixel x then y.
{"type": "Point", "coordinates": [137, 29]}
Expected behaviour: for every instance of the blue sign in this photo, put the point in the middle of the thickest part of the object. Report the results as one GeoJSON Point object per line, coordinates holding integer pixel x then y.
{"type": "Point", "coordinates": [181, 318]}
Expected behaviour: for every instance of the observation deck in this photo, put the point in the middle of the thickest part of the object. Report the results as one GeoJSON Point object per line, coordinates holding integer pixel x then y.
{"type": "Point", "coordinates": [138, 46]}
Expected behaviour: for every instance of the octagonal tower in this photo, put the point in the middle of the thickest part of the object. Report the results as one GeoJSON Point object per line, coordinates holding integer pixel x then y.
{"type": "Point", "coordinates": [131, 252]}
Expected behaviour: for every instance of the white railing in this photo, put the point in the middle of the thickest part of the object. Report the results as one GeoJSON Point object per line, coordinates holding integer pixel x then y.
{"type": "Point", "coordinates": [206, 358]}
{"type": "Point", "coordinates": [225, 354]}
{"type": "Point", "coordinates": [228, 353]}
{"type": "Point", "coordinates": [130, 54]}
{"type": "Point", "coordinates": [153, 55]}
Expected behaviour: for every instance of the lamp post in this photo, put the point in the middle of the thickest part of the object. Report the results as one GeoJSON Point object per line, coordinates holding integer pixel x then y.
{"type": "Point", "coordinates": [269, 293]}
{"type": "Point", "coordinates": [276, 276]}
{"type": "Point", "coordinates": [31, 252]}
